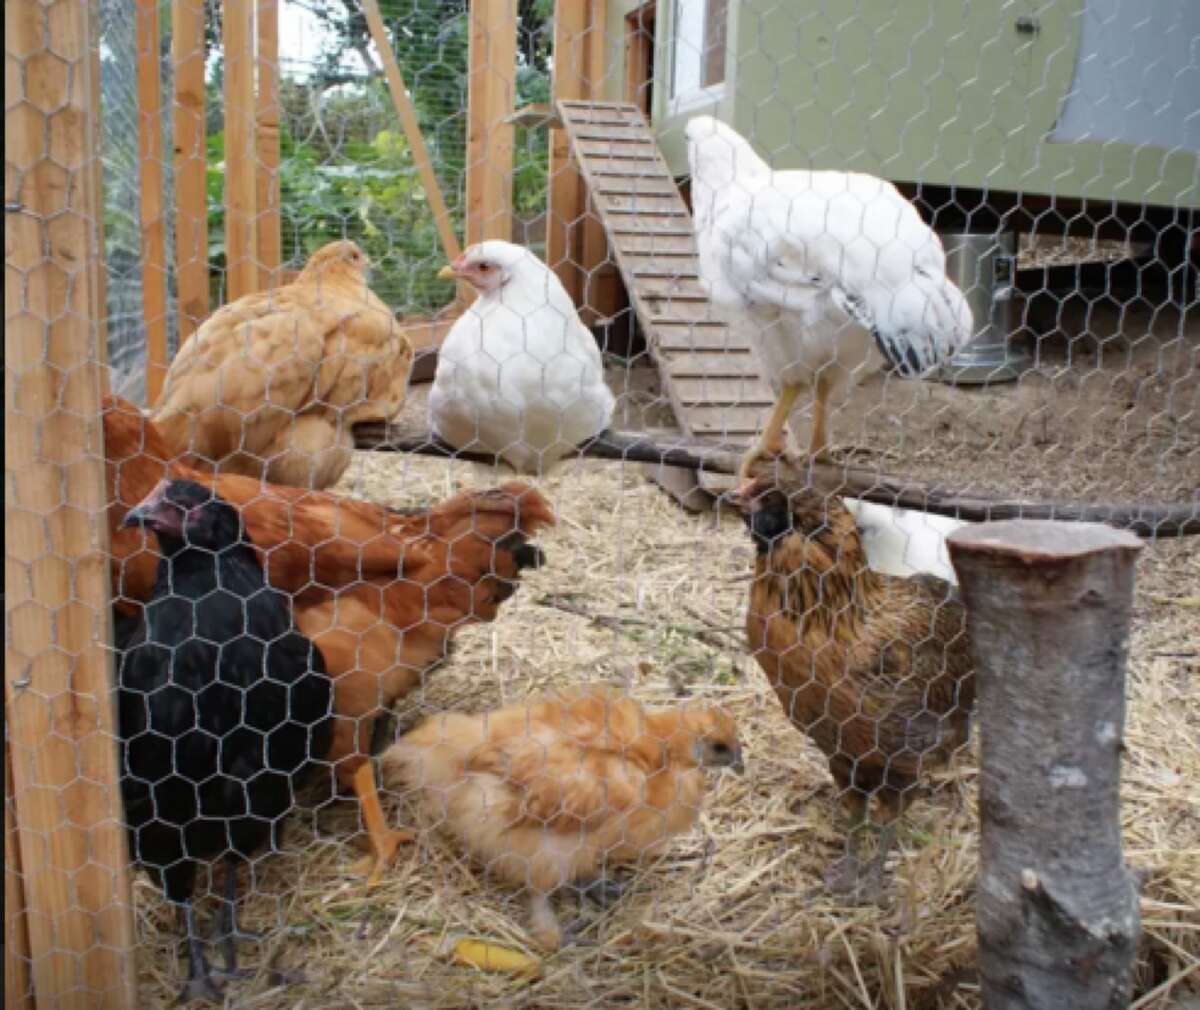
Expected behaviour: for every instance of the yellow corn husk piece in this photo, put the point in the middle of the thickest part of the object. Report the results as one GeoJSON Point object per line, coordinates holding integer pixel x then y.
{"type": "Point", "coordinates": [492, 957]}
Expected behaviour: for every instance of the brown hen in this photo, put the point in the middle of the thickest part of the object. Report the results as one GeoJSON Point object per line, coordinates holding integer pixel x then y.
{"type": "Point", "coordinates": [544, 793]}
{"type": "Point", "coordinates": [270, 385]}
{"type": "Point", "coordinates": [875, 669]}
{"type": "Point", "coordinates": [380, 592]}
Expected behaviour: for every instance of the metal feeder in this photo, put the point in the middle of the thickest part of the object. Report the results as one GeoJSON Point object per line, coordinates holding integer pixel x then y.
{"type": "Point", "coordinates": [983, 265]}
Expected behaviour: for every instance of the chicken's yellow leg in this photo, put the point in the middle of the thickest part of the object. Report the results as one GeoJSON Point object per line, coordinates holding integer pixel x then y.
{"type": "Point", "coordinates": [384, 840]}
{"type": "Point", "coordinates": [772, 442]}
{"type": "Point", "coordinates": [818, 446]}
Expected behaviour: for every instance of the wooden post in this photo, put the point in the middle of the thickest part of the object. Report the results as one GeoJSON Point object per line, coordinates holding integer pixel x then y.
{"type": "Point", "coordinates": [602, 286]}
{"type": "Point", "coordinates": [150, 154]}
{"type": "Point", "coordinates": [412, 130]}
{"type": "Point", "coordinates": [1048, 608]}
{"type": "Point", "coordinates": [491, 94]}
{"type": "Point", "coordinates": [191, 194]}
{"type": "Point", "coordinates": [269, 235]}
{"type": "Point", "coordinates": [566, 201]}
{"type": "Point", "coordinates": [241, 255]}
{"type": "Point", "coordinates": [18, 994]}
{"type": "Point", "coordinates": [66, 802]}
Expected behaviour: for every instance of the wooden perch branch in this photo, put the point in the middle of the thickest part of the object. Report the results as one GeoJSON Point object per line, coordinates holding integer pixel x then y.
{"type": "Point", "coordinates": [1146, 520]}
{"type": "Point", "coordinates": [1048, 611]}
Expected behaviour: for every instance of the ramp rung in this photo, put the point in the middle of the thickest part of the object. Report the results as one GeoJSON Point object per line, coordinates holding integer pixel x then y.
{"type": "Point", "coordinates": [707, 370]}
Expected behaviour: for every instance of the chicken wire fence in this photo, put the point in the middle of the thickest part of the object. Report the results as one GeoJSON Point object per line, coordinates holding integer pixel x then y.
{"type": "Point", "coordinates": [155, 174]}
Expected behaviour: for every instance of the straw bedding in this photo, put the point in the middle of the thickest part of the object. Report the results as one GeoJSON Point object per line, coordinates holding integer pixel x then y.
{"type": "Point", "coordinates": [638, 593]}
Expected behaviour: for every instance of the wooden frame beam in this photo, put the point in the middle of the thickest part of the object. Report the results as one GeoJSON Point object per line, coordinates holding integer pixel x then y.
{"type": "Point", "coordinates": [491, 95]}
{"type": "Point", "coordinates": [59, 707]}
{"type": "Point", "coordinates": [268, 229]}
{"type": "Point", "coordinates": [241, 196]}
{"type": "Point", "coordinates": [191, 191]}
{"type": "Point", "coordinates": [566, 198]}
{"type": "Point", "coordinates": [152, 214]}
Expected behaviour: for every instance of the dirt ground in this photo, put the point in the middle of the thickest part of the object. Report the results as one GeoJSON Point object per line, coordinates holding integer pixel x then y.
{"type": "Point", "coordinates": [1109, 411]}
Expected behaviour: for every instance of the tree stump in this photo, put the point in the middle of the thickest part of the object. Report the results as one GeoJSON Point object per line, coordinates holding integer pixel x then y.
{"type": "Point", "coordinates": [1048, 610]}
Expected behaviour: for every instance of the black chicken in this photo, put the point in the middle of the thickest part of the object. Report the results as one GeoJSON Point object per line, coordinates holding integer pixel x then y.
{"type": "Point", "coordinates": [223, 707]}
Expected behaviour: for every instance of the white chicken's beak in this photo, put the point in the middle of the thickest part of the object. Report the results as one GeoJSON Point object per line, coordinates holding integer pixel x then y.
{"type": "Point", "coordinates": [446, 273]}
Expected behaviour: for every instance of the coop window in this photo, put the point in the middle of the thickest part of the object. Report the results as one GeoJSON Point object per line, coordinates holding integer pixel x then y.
{"type": "Point", "coordinates": [699, 42]}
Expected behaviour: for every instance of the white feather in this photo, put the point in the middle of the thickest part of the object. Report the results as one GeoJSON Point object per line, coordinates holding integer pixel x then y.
{"type": "Point", "coordinates": [904, 542]}
{"type": "Point", "coordinates": [821, 270]}
{"type": "Point", "coordinates": [518, 374]}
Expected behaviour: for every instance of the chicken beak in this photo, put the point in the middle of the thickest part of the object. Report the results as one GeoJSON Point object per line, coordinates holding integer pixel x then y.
{"type": "Point", "coordinates": [147, 509]}
{"type": "Point", "coordinates": [447, 273]}
{"type": "Point", "coordinates": [738, 767]}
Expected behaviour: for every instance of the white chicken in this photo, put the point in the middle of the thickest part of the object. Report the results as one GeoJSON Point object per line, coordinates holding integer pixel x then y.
{"type": "Point", "coordinates": [904, 542]}
{"type": "Point", "coordinates": [819, 268]}
{"type": "Point", "coordinates": [518, 376]}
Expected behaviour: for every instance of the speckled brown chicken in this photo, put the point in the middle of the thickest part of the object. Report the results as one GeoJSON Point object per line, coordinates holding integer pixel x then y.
{"type": "Point", "coordinates": [875, 669]}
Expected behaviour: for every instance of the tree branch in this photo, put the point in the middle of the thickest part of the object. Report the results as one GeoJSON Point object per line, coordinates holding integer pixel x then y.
{"type": "Point", "coordinates": [1144, 519]}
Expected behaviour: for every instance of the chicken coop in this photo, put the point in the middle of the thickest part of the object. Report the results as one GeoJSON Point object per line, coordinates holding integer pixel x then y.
{"type": "Point", "coordinates": [313, 700]}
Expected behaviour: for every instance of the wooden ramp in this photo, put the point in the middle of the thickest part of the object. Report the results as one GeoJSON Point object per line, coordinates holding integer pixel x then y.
{"type": "Point", "coordinates": [709, 373]}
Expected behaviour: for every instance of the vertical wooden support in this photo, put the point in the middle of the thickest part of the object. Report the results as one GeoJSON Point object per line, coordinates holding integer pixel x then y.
{"type": "Point", "coordinates": [602, 288]}
{"type": "Point", "coordinates": [1048, 612]}
{"type": "Point", "coordinates": [412, 130]}
{"type": "Point", "coordinates": [566, 203]}
{"type": "Point", "coordinates": [491, 95]}
{"type": "Point", "coordinates": [191, 195]}
{"type": "Point", "coordinates": [241, 256]}
{"type": "Point", "coordinates": [57, 673]}
{"type": "Point", "coordinates": [153, 225]}
{"type": "Point", "coordinates": [18, 993]}
{"type": "Point", "coordinates": [266, 144]}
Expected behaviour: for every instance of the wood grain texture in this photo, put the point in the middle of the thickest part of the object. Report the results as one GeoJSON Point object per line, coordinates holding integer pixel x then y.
{"type": "Point", "coordinates": [268, 228]}
{"type": "Point", "coordinates": [491, 94]}
{"type": "Point", "coordinates": [66, 804]}
{"type": "Point", "coordinates": [241, 196]}
{"type": "Point", "coordinates": [152, 213]}
{"type": "Point", "coordinates": [191, 197]}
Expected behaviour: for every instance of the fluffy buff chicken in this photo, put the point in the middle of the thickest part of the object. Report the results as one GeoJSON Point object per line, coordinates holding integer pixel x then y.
{"type": "Point", "coordinates": [271, 385]}
{"type": "Point", "coordinates": [518, 376]}
{"type": "Point", "coordinates": [820, 269]}
{"type": "Point", "coordinates": [380, 592]}
{"type": "Point", "coordinates": [875, 669]}
{"type": "Point", "coordinates": [547, 792]}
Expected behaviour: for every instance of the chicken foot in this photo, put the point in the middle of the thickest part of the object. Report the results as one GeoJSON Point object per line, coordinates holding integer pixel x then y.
{"type": "Point", "coordinates": [226, 928]}
{"type": "Point", "coordinates": [200, 983]}
{"type": "Point", "coordinates": [772, 443]}
{"type": "Point", "coordinates": [385, 841]}
{"type": "Point", "coordinates": [848, 876]}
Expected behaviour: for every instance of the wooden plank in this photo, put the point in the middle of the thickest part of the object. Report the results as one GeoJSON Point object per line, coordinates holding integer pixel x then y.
{"type": "Point", "coordinates": [602, 296]}
{"type": "Point", "coordinates": [191, 195]}
{"type": "Point", "coordinates": [690, 337]}
{"type": "Point", "coordinates": [670, 287]}
{"type": "Point", "coordinates": [731, 424]}
{"type": "Point", "coordinates": [18, 992]}
{"type": "Point", "coordinates": [269, 232]}
{"type": "Point", "coordinates": [241, 198]}
{"type": "Point", "coordinates": [737, 364]}
{"type": "Point", "coordinates": [491, 93]}
{"type": "Point", "coordinates": [412, 130]}
{"type": "Point", "coordinates": [639, 150]}
{"type": "Point", "coordinates": [567, 198]}
{"type": "Point", "coordinates": [659, 243]}
{"type": "Point", "coordinates": [151, 213]}
{"type": "Point", "coordinates": [59, 713]}
{"type": "Point", "coordinates": [714, 391]}
{"type": "Point", "coordinates": [647, 185]}
{"type": "Point", "coordinates": [633, 134]}
{"type": "Point", "coordinates": [638, 168]}
{"type": "Point", "coordinates": [665, 205]}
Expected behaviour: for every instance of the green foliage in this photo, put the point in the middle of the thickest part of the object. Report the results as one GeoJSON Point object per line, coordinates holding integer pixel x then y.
{"type": "Point", "coordinates": [346, 169]}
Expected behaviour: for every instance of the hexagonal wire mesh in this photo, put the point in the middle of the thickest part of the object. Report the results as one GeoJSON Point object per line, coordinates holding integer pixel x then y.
{"type": "Point", "coordinates": [682, 277]}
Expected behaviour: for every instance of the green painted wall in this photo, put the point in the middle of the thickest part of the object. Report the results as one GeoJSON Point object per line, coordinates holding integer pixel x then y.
{"type": "Point", "coordinates": [936, 91]}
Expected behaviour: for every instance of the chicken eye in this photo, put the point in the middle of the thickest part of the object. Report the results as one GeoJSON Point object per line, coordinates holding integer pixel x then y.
{"type": "Point", "coordinates": [720, 748]}
{"type": "Point", "coordinates": [485, 267]}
